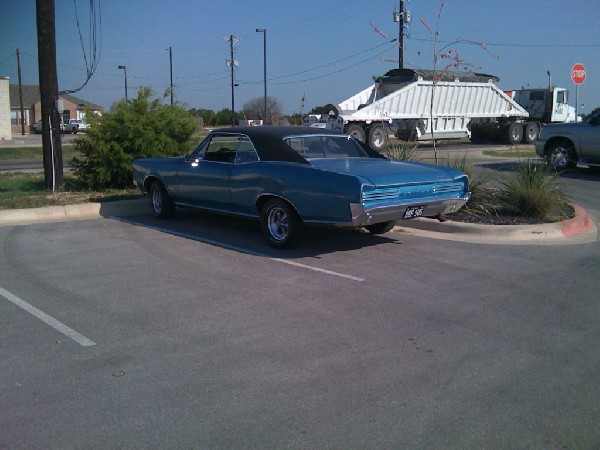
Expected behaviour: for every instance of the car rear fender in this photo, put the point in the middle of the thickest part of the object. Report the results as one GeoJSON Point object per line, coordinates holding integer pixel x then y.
{"type": "Point", "coordinates": [264, 198]}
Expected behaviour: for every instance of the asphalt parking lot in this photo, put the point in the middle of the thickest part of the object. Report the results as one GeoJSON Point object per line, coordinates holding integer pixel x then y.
{"type": "Point", "coordinates": [125, 331]}
{"type": "Point", "coordinates": [133, 332]}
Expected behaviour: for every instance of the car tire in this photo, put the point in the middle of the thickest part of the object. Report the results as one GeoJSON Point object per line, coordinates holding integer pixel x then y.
{"type": "Point", "coordinates": [280, 224]}
{"type": "Point", "coordinates": [162, 204]}
{"type": "Point", "coordinates": [381, 228]}
{"type": "Point", "coordinates": [378, 138]}
{"type": "Point", "coordinates": [357, 132]}
{"type": "Point", "coordinates": [561, 155]}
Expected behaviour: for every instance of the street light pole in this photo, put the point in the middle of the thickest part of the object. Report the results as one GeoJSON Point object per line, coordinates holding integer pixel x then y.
{"type": "Point", "coordinates": [232, 61]}
{"type": "Point", "coordinates": [264, 32]}
{"type": "Point", "coordinates": [124, 68]}
{"type": "Point", "coordinates": [171, 71]}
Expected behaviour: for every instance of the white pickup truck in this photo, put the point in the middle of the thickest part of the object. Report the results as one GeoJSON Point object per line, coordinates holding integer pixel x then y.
{"type": "Point", "coordinates": [76, 125]}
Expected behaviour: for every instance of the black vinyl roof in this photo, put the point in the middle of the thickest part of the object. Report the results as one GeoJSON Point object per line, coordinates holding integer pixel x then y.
{"type": "Point", "coordinates": [269, 141]}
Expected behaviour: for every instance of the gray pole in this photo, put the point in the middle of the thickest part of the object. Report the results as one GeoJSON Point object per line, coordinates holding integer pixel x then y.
{"type": "Point", "coordinates": [232, 62]}
{"type": "Point", "coordinates": [264, 32]}
{"type": "Point", "coordinates": [171, 70]}
{"type": "Point", "coordinates": [124, 69]}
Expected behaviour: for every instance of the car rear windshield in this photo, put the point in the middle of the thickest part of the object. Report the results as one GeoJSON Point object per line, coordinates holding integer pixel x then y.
{"type": "Point", "coordinates": [326, 146]}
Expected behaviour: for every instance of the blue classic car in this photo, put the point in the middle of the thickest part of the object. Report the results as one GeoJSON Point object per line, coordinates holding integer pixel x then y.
{"type": "Point", "coordinates": [291, 176]}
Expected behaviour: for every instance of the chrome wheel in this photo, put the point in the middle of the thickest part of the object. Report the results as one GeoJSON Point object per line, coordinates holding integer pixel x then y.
{"type": "Point", "coordinates": [157, 201]}
{"type": "Point", "coordinates": [357, 132]}
{"type": "Point", "coordinates": [162, 205]}
{"type": "Point", "coordinates": [281, 225]}
{"type": "Point", "coordinates": [278, 223]}
{"type": "Point", "coordinates": [377, 137]}
{"type": "Point", "coordinates": [561, 156]}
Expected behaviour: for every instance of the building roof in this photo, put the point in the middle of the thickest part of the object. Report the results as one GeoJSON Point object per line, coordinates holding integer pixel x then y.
{"type": "Point", "coordinates": [31, 95]}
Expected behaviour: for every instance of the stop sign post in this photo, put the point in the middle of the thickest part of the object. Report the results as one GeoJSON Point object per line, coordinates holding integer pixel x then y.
{"type": "Point", "coordinates": [578, 77]}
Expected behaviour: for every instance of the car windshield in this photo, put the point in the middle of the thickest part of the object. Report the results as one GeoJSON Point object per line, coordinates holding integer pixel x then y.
{"type": "Point", "coordinates": [326, 146]}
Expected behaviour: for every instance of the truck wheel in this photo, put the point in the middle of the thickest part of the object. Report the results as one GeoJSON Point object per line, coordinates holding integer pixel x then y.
{"type": "Point", "coordinates": [332, 110]}
{"type": "Point", "coordinates": [476, 135]}
{"type": "Point", "coordinates": [562, 155]}
{"type": "Point", "coordinates": [514, 133]}
{"type": "Point", "coordinates": [357, 132]}
{"type": "Point", "coordinates": [531, 132]}
{"type": "Point", "coordinates": [378, 137]}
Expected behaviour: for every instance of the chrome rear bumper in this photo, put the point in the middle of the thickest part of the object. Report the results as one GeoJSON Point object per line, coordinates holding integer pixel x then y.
{"type": "Point", "coordinates": [362, 215]}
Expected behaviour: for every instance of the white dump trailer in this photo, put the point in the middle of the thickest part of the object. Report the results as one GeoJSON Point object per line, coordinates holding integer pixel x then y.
{"type": "Point", "coordinates": [410, 105]}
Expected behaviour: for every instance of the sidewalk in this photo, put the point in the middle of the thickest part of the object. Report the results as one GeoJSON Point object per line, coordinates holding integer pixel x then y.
{"type": "Point", "coordinates": [32, 140]}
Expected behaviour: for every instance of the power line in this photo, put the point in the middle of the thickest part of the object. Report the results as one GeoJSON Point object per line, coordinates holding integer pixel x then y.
{"type": "Point", "coordinates": [7, 58]}
{"type": "Point", "coordinates": [511, 45]}
{"type": "Point", "coordinates": [95, 25]}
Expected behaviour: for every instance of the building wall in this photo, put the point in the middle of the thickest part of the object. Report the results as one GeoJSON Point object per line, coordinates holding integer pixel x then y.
{"type": "Point", "coordinates": [5, 128]}
{"type": "Point", "coordinates": [67, 109]}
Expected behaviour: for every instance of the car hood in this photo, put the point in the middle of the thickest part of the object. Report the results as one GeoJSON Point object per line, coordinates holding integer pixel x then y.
{"type": "Point", "coordinates": [381, 172]}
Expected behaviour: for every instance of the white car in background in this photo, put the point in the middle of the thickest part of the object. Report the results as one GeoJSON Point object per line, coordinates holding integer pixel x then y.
{"type": "Point", "coordinates": [37, 128]}
{"type": "Point", "coordinates": [76, 125]}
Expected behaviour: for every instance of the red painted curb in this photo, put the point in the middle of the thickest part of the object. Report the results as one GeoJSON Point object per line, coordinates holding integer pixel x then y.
{"type": "Point", "coordinates": [578, 224]}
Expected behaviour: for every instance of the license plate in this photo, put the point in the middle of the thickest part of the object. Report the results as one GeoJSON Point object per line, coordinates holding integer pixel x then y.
{"type": "Point", "coordinates": [413, 211]}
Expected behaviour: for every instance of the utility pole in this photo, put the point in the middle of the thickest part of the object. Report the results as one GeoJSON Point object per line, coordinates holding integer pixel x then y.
{"type": "Point", "coordinates": [52, 146]}
{"type": "Point", "coordinates": [21, 93]}
{"type": "Point", "coordinates": [124, 69]}
{"type": "Point", "coordinates": [171, 71]}
{"type": "Point", "coordinates": [264, 32]}
{"type": "Point", "coordinates": [402, 17]}
{"type": "Point", "coordinates": [232, 63]}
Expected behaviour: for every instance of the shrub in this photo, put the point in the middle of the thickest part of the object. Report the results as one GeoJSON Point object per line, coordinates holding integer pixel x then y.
{"type": "Point", "coordinates": [476, 182]}
{"type": "Point", "coordinates": [405, 151]}
{"type": "Point", "coordinates": [534, 191]}
{"type": "Point", "coordinates": [135, 129]}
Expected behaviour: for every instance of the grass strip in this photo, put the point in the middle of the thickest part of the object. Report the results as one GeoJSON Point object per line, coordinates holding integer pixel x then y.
{"type": "Point", "coordinates": [27, 190]}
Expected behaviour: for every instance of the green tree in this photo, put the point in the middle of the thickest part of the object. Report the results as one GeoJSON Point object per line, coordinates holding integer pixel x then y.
{"type": "Point", "coordinates": [223, 117]}
{"type": "Point", "coordinates": [138, 128]}
{"type": "Point", "coordinates": [207, 115]}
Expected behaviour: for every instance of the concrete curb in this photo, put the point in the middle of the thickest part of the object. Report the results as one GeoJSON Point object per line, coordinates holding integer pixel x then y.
{"type": "Point", "coordinates": [73, 212]}
{"type": "Point", "coordinates": [575, 227]}
{"type": "Point", "coordinates": [580, 225]}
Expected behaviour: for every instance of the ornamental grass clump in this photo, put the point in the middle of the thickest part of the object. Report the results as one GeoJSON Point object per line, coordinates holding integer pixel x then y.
{"type": "Point", "coordinates": [476, 182]}
{"type": "Point", "coordinates": [535, 190]}
{"type": "Point", "coordinates": [405, 151]}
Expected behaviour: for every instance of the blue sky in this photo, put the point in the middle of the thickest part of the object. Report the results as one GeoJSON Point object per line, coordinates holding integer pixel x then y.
{"type": "Point", "coordinates": [324, 51]}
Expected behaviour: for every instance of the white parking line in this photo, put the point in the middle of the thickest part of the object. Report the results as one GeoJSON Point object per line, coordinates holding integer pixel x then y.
{"type": "Point", "coordinates": [317, 269]}
{"type": "Point", "coordinates": [48, 320]}
{"type": "Point", "coordinates": [240, 249]}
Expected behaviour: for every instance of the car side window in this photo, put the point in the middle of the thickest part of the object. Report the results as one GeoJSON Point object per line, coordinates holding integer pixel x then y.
{"type": "Point", "coordinates": [222, 149]}
{"type": "Point", "coordinates": [245, 151]}
{"type": "Point", "coordinates": [198, 153]}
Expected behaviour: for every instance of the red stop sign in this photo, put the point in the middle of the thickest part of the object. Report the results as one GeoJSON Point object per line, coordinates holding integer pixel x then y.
{"type": "Point", "coordinates": [578, 73]}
